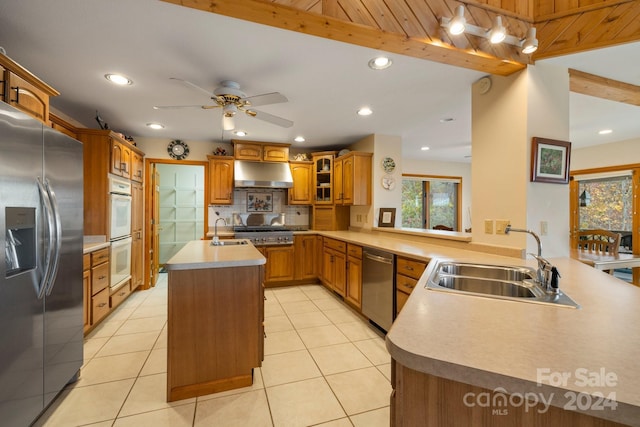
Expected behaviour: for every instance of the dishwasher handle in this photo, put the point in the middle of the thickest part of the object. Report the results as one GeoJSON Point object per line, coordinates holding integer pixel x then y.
{"type": "Point", "coordinates": [378, 258]}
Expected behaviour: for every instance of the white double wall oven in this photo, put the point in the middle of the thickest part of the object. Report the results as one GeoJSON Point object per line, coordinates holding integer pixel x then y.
{"type": "Point", "coordinates": [120, 231]}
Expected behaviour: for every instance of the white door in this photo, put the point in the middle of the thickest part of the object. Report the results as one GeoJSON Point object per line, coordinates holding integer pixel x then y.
{"type": "Point", "coordinates": [181, 207]}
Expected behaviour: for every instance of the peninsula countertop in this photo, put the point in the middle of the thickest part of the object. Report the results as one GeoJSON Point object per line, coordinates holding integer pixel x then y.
{"type": "Point", "coordinates": [200, 254]}
{"type": "Point", "coordinates": [522, 347]}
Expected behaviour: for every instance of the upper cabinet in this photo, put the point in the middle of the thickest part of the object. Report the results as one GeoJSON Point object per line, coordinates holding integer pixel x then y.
{"type": "Point", "coordinates": [137, 166]}
{"type": "Point", "coordinates": [24, 91]}
{"type": "Point", "coordinates": [120, 159]}
{"type": "Point", "coordinates": [260, 151]}
{"type": "Point", "coordinates": [323, 177]}
{"type": "Point", "coordinates": [220, 180]}
{"type": "Point", "coordinates": [352, 179]}
{"type": "Point", "coordinates": [302, 191]}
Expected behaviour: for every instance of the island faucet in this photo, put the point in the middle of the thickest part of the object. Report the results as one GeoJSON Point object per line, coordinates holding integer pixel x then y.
{"type": "Point", "coordinates": [547, 274]}
{"type": "Point", "coordinates": [216, 240]}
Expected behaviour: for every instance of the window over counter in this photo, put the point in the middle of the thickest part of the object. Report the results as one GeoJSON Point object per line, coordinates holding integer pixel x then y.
{"type": "Point", "coordinates": [431, 202]}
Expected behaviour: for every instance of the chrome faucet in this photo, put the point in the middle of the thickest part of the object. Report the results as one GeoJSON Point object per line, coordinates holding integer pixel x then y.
{"type": "Point", "coordinates": [547, 274]}
{"type": "Point", "coordinates": [216, 240]}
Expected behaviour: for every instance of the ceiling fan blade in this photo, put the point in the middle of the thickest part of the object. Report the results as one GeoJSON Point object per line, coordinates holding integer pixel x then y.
{"type": "Point", "coordinates": [279, 121]}
{"type": "Point", "coordinates": [266, 98]}
{"type": "Point", "coordinates": [178, 107]}
{"type": "Point", "coordinates": [193, 85]}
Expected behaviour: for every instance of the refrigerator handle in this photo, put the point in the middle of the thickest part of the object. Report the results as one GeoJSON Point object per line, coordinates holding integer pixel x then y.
{"type": "Point", "coordinates": [58, 237]}
{"type": "Point", "coordinates": [46, 204]}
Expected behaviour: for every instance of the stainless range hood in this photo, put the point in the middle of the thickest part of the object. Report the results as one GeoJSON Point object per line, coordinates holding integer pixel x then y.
{"type": "Point", "coordinates": [262, 174]}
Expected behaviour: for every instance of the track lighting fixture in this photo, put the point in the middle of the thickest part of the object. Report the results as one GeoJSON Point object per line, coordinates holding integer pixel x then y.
{"type": "Point", "coordinates": [496, 34]}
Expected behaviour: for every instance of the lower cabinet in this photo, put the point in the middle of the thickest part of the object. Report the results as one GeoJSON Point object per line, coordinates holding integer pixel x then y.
{"type": "Point", "coordinates": [334, 266]}
{"type": "Point", "coordinates": [98, 298]}
{"type": "Point", "coordinates": [280, 263]}
{"type": "Point", "coordinates": [120, 294]}
{"type": "Point", "coordinates": [86, 291]}
{"type": "Point", "coordinates": [354, 275]}
{"type": "Point", "coordinates": [408, 271]}
{"type": "Point", "coordinates": [304, 248]}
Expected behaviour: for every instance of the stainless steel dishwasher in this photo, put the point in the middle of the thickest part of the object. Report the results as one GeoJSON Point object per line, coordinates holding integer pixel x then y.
{"type": "Point", "coordinates": [377, 286]}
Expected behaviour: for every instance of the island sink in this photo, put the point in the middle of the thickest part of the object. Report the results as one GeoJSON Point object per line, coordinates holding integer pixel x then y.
{"type": "Point", "coordinates": [492, 281]}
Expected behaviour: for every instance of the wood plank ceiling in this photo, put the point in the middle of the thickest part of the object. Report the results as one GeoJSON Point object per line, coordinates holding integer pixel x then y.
{"type": "Point", "coordinates": [412, 27]}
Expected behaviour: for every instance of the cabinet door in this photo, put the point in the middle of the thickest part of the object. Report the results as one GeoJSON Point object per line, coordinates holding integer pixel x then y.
{"type": "Point", "coordinates": [323, 180]}
{"type": "Point", "coordinates": [116, 158]}
{"type": "Point", "coordinates": [137, 167]}
{"type": "Point", "coordinates": [221, 181]}
{"type": "Point", "coordinates": [275, 153]}
{"type": "Point", "coordinates": [126, 162]}
{"type": "Point", "coordinates": [347, 179]}
{"type": "Point", "coordinates": [340, 273]}
{"type": "Point", "coordinates": [327, 268]}
{"type": "Point", "coordinates": [26, 97]}
{"type": "Point", "coordinates": [279, 263]}
{"type": "Point", "coordinates": [247, 151]}
{"type": "Point", "coordinates": [300, 193]}
{"type": "Point", "coordinates": [354, 281]}
{"type": "Point", "coordinates": [137, 252]}
{"type": "Point", "coordinates": [338, 188]}
{"type": "Point", "coordinates": [304, 251]}
{"type": "Point", "coordinates": [86, 305]}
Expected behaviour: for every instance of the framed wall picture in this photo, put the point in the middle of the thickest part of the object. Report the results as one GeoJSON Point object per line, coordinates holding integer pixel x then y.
{"type": "Point", "coordinates": [550, 160]}
{"type": "Point", "coordinates": [387, 217]}
{"type": "Point", "coordinates": [259, 202]}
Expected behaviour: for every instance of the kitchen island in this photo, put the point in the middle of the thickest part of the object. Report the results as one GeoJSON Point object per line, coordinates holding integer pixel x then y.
{"type": "Point", "coordinates": [215, 318]}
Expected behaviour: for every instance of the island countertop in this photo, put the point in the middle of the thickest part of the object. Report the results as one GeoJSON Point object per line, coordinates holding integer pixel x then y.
{"type": "Point", "coordinates": [524, 347]}
{"type": "Point", "coordinates": [199, 254]}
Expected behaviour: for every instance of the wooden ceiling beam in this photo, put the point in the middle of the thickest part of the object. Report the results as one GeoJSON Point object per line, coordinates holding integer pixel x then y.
{"type": "Point", "coordinates": [601, 87]}
{"type": "Point", "coordinates": [289, 18]}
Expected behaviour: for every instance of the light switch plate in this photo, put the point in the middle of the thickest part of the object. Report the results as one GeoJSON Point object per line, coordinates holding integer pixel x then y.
{"type": "Point", "coordinates": [488, 226]}
{"type": "Point", "coordinates": [544, 228]}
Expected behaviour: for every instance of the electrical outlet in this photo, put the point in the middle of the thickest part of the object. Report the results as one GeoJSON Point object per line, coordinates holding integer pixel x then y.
{"type": "Point", "coordinates": [544, 228]}
{"type": "Point", "coordinates": [488, 226]}
{"type": "Point", "coordinates": [501, 225]}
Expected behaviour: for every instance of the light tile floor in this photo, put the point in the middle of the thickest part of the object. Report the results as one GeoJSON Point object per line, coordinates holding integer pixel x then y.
{"type": "Point", "coordinates": [323, 365]}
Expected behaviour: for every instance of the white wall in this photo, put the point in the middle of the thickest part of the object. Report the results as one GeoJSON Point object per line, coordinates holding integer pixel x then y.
{"type": "Point", "coordinates": [430, 167]}
{"type": "Point", "coordinates": [612, 154]}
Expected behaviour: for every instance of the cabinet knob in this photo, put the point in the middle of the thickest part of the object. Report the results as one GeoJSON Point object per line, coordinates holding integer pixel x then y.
{"type": "Point", "coordinates": [102, 304]}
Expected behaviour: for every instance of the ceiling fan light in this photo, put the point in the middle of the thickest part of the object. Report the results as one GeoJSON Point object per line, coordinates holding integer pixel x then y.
{"type": "Point", "coordinates": [498, 33]}
{"type": "Point", "coordinates": [530, 43]}
{"type": "Point", "coordinates": [457, 24]}
{"type": "Point", "coordinates": [228, 122]}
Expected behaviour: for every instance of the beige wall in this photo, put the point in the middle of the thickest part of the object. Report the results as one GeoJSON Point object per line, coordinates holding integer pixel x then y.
{"type": "Point", "coordinates": [156, 148]}
{"type": "Point", "coordinates": [612, 154]}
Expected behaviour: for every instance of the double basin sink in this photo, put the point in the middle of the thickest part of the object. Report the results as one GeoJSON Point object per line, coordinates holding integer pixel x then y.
{"type": "Point", "coordinates": [492, 281]}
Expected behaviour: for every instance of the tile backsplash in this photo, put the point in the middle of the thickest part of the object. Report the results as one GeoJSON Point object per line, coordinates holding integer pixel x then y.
{"type": "Point", "coordinates": [295, 215]}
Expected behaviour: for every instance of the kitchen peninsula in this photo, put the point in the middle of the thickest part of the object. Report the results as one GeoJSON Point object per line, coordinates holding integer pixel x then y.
{"type": "Point", "coordinates": [215, 318]}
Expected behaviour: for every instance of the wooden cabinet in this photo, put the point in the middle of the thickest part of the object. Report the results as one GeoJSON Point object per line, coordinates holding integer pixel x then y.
{"type": "Point", "coordinates": [304, 248]}
{"type": "Point", "coordinates": [353, 178]}
{"type": "Point", "coordinates": [280, 263]}
{"type": "Point", "coordinates": [302, 191]}
{"type": "Point", "coordinates": [323, 177]}
{"type": "Point", "coordinates": [214, 329]}
{"type": "Point", "coordinates": [260, 151]}
{"type": "Point", "coordinates": [86, 291]}
{"type": "Point", "coordinates": [97, 299]}
{"type": "Point", "coordinates": [62, 126]}
{"type": "Point", "coordinates": [408, 271]}
{"type": "Point", "coordinates": [327, 218]}
{"type": "Point", "coordinates": [334, 265]}
{"type": "Point", "coordinates": [24, 91]}
{"type": "Point", "coordinates": [137, 245]}
{"type": "Point", "coordinates": [220, 180]}
{"type": "Point", "coordinates": [354, 275]}
{"type": "Point", "coordinates": [137, 167]}
{"type": "Point", "coordinates": [120, 159]}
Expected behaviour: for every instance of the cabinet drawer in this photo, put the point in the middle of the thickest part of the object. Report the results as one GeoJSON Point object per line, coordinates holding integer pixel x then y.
{"type": "Point", "coordinates": [99, 278]}
{"type": "Point", "coordinates": [99, 305]}
{"type": "Point", "coordinates": [410, 267]}
{"type": "Point", "coordinates": [405, 284]}
{"type": "Point", "coordinates": [99, 256]}
{"type": "Point", "coordinates": [354, 250]}
{"type": "Point", "coordinates": [86, 262]}
{"type": "Point", "coordinates": [121, 294]}
{"type": "Point", "coordinates": [335, 244]}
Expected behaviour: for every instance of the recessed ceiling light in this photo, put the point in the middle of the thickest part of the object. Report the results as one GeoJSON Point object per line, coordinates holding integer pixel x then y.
{"type": "Point", "coordinates": [447, 120]}
{"type": "Point", "coordinates": [605, 131]}
{"type": "Point", "coordinates": [240, 133]}
{"type": "Point", "coordinates": [299, 139]}
{"type": "Point", "coordinates": [155, 126]}
{"type": "Point", "coordinates": [118, 79]}
{"type": "Point", "coordinates": [424, 148]}
{"type": "Point", "coordinates": [365, 111]}
{"type": "Point", "coordinates": [380, 63]}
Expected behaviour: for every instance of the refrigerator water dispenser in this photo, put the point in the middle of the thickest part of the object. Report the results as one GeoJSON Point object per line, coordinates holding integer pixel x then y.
{"type": "Point", "coordinates": [20, 239]}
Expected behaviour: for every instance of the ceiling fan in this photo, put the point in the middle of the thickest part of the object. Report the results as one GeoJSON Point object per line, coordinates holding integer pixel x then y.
{"type": "Point", "coordinates": [231, 99]}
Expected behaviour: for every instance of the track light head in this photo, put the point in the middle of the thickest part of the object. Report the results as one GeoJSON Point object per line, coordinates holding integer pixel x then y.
{"type": "Point", "coordinates": [530, 43]}
{"type": "Point", "coordinates": [458, 23]}
{"type": "Point", "coordinates": [497, 33]}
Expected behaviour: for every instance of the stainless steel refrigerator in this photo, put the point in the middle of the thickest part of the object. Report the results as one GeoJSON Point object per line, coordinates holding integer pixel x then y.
{"type": "Point", "coordinates": [41, 318]}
